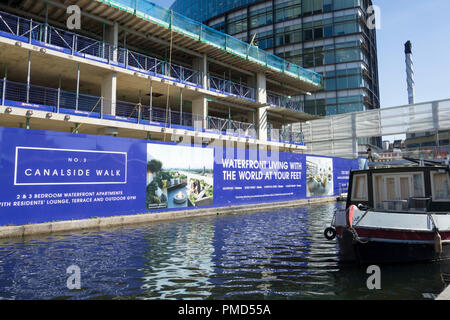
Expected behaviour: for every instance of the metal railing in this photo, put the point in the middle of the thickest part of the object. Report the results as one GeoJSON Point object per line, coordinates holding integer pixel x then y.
{"type": "Point", "coordinates": [67, 102]}
{"type": "Point", "coordinates": [285, 135]}
{"type": "Point", "coordinates": [286, 102]}
{"type": "Point", "coordinates": [231, 127]}
{"type": "Point", "coordinates": [229, 87]}
{"type": "Point", "coordinates": [198, 31]}
{"type": "Point", "coordinates": [75, 44]}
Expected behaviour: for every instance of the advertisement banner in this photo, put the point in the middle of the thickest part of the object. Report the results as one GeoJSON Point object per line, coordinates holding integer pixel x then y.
{"type": "Point", "coordinates": [53, 176]}
{"type": "Point", "coordinates": [179, 177]}
{"type": "Point", "coordinates": [246, 176]}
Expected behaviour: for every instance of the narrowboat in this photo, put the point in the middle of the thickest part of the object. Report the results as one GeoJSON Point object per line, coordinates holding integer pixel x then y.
{"type": "Point", "coordinates": [395, 214]}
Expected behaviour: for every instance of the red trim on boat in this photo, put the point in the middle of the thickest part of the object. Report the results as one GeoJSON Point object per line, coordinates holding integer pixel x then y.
{"type": "Point", "coordinates": [396, 234]}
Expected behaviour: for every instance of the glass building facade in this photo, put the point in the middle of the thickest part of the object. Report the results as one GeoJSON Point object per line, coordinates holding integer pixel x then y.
{"type": "Point", "coordinates": [330, 37]}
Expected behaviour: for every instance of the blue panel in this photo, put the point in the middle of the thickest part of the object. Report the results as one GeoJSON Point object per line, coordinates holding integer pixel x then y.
{"type": "Point", "coordinates": [50, 176]}
{"type": "Point", "coordinates": [51, 166]}
{"type": "Point", "coordinates": [246, 176]}
{"type": "Point", "coordinates": [53, 176]}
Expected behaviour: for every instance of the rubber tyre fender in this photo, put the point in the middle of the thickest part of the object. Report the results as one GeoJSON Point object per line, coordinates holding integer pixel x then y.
{"type": "Point", "coordinates": [330, 233]}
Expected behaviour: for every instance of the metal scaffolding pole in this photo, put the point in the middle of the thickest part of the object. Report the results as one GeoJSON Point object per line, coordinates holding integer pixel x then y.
{"type": "Point", "coordinates": [78, 87]}
{"type": "Point", "coordinates": [59, 95]}
{"type": "Point", "coordinates": [181, 106]}
{"type": "Point", "coordinates": [28, 76]}
{"type": "Point", "coordinates": [139, 106]}
{"type": "Point", "coordinates": [4, 84]}
{"type": "Point", "coordinates": [46, 22]}
{"type": "Point", "coordinates": [151, 101]}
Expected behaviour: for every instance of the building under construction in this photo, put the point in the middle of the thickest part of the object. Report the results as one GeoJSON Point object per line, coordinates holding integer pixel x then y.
{"type": "Point", "coordinates": [141, 110]}
{"type": "Point", "coordinates": [137, 70]}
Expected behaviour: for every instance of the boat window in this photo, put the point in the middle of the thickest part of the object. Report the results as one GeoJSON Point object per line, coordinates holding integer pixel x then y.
{"type": "Point", "coordinates": [440, 182]}
{"type": "Point", "coordinates": [396, 192]}
{"type": "Point", "coordinates": [359, 192]}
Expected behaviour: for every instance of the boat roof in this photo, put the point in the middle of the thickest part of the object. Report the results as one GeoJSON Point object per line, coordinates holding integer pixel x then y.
{"type": "Point", "coordinates": [408, 164]}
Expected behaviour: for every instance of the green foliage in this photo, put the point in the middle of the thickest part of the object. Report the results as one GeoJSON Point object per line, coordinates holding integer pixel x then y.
{"type": "Point", "coordinates": [209, 192]}
{"type": "Point", "coordinates": [156, 200]}
{"type": "Point", "coordinates": [192, 197]}
{"type": "Point", "coordinates": [154, 166]}
{"type": "Point", "coordinates": [165, 176]}
{"type": "Point", "coordinates": [151, 193]}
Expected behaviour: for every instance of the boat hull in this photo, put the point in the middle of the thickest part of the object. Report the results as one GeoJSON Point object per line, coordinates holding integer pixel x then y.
{"type": "Point", "coordinates": [388, 251]}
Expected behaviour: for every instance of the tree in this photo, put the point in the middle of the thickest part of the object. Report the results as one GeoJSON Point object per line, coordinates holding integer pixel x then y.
{"type": "Point", "coordinates": [154, 166]}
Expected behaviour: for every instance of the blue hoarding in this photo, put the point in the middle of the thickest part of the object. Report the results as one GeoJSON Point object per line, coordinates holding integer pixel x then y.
{"type": "Point", "coordinates": [52, 176]}
{"type": "Point", "coordinates": [246, 176]}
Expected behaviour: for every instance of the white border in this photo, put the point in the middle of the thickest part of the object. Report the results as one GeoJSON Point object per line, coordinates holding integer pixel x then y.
{"type": "Point", "coordinates": [68, 183]}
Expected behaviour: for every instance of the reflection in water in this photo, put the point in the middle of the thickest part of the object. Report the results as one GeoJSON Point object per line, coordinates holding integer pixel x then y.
{"type": "Point", "coordinates": [276, 255]}
{"type": "Point", "coordinates": [179, 261]}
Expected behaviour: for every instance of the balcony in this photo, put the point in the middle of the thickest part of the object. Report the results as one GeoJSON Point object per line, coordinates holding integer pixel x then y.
{"type": "Point", "coordinates": [230, 127]}
{"type": "Point", "coordinates": [285, 102]}
{"type": "Point", "coordinates": [211, 37]}
{"type": "Point", "coordinates": [285, 135]}
{"type": "Point", "coordinates": [230, 88]}
{"type": "Point", "coordinates": [67, 102]}
{"type": "Point", "coordinates": [46, 36]}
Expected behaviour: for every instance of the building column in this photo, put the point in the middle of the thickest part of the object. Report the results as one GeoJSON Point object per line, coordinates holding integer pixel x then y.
{"type": "Point", "coordinates": [201, 65]}
{"type": "Point", "coordinates": [109, 93]}
{"type": "Point", "coordinates": [262, 123]}
{"type": "Point", "coordinates": [261, 97]}
{"type": "Point", "coordinates": [261, 93]}
{"type": "Point", "coordinates": [111, 36]}
{"type": "Point", "coordinates": [200, 108]}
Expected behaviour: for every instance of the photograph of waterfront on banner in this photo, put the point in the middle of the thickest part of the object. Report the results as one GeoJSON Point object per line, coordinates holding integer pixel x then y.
{"type": "Point", "coordinates": [179, 176]}
{"type": "Point", "coordinates": [319, 177]}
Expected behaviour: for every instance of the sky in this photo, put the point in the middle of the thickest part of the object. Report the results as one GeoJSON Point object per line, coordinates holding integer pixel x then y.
{"type": "Point", "coordinates": [425, 24]}
{"type": "Point", "coordinates": [186, 157]}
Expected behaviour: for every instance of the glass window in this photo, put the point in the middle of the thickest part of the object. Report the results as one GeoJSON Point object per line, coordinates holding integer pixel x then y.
{"type": "Point", "coordinates": [321, 111]}
{"type": "Point", "coordinates": [308, 6]}
{"type": "Point", "coordinates": [327, 5]}
{"type": "Point", "coordinates": [330, 83]}
{"type": "Point", "coordinates": [310, 109]}
{"type": "Point", "coordinates": [318, 4]}
{"type": "Point", "coordinates": [308, 34]}
{"type": "Point", "coordinates": [394, 191]}
{"type": "Point", "coordinates": [329, 57]}
{"type": "Point", "coordinates": [318, 59]}
{"type": "Point", "coordinates": [359, 190]}
{"type": "Point", "coordinates": [331, 110]}
{"type": "Point", "coordinates": [418, 186]}
{"type": "Point", "coordinates": [328, 31]}
{"type": "Point", "coordinates": [441, 186]}
{"type": "Point", "coordinates": [308, 60]}
{"type": "Point", "coordinates": [318, 33]}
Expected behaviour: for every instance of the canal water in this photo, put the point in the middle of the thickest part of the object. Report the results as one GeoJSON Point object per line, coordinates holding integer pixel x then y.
{"type": "Point", "coordinates": [269, 255]}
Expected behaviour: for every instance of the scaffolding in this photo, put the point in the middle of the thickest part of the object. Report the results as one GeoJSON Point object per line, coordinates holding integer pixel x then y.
{"type": "Point", "coordinates": [337, 135]}
{"type": "Point", "coordinates": [198, 31]}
